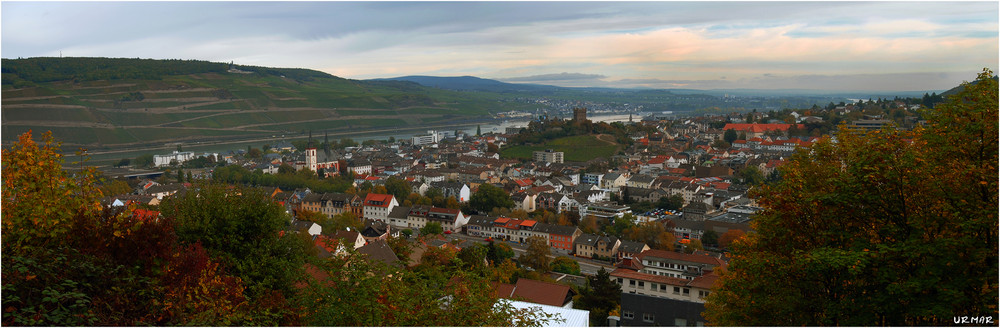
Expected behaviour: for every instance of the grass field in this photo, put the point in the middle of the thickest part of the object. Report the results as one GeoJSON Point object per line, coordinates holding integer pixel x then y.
{"type": "Point", "coordinates": [576, 148]}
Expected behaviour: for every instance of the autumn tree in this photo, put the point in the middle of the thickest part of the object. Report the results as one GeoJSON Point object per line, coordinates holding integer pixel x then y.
{"type": "Point", "coordinates": [883, 227]}
{"type": "Point", "coordinates": [39, 197]}
{"type": "Point", "coordinates": [727, 238]}
{"type": "Point", "coordinates": [536, 256]}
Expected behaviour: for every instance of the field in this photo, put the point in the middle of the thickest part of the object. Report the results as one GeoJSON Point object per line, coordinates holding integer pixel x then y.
{"type": "Point", "coordinates": [576, 148]}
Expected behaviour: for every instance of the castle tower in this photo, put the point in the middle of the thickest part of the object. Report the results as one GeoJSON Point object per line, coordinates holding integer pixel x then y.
{"type": "Point", "coordinates": [580, 114]}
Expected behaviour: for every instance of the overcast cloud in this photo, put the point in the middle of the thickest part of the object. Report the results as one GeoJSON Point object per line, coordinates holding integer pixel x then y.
{"type": "Point", "coordinates": [803, 45]}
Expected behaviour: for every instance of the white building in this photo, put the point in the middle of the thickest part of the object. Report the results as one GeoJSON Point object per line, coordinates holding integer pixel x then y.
{"type": "Point", "coordinates": [432, 137]}
{"type": "Point", "coordinates": [180, 157]}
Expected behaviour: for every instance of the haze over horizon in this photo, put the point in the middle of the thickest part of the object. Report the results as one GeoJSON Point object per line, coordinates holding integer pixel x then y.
{"type": "Point", "coordinates": [849, 46]}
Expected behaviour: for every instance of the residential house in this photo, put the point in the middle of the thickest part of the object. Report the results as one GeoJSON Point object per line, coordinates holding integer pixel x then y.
{"type": "Point", "coordinates": [597, 247]}
{"type": "Point", "coordinates": [378, 206]}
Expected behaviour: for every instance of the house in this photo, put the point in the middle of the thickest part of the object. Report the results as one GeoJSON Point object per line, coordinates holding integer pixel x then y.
{"type": "Point", "coordinates": [449, 218]}
{"type": "Point", "coordinates": [560, 237]}
{"type": "Point", "coordinates": [379, 250]}
{"type": "Point", "coordinates": [613, 181]}
{"type": "Point", "coordinates": [630, 249]}
{"type": "Point", "coordinates": [604, 211]}
{"type": "Point", "coordinates": [329, 204]}
{"type": "Point", "coordinates": [524, 201]}
{"type": "Point", "coordinates": [311, 227]}
{"type": "Point", "coordinates": [538, 292]}
{"type": "Point", "coordinates": [160, 191]}
{"type": "Point", "coordinates": [348, 237]}
{"type": "Point", "coordinates": [378, 206]}
{"type": "Point", "coordinates": [675, 264]}
{"type": "Point", "coordinates": [459, 190]}
{"type": "Point", "coordinates": [596, 247]}
{"type": "Point", "coordinates": [639, 310]}
{"type": "Point", "coordinates": [375, 229]}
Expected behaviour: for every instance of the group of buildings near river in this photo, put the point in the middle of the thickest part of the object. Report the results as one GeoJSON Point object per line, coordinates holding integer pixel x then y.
{"type": "Point", "coordinates": [659, 288]}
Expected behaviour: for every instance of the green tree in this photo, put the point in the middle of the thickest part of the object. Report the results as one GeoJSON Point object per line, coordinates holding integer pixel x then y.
{"type": "Point", "coordinates": [497, 253]}
{"type": "Point", "coordinates": [710, 237]}
{"type": "Point", "coordinates": [536, 255]}
{"type": "Point", "coordinates": [601, 296]}
{"type": "Point", "coordinates": [488, 197]}
{"type": "Point", "coordinates": [239, 226]}
{"type": "Point", "coordinates": [898, 228]}
{"type": "Point", "coordinates": [673, 202]}
{"type": "Point", "coordinates": [348, 294]}
{"type": "Point", "coordinates": [730, 136]}
{"type": "Point", "coordinates": [565, 264]}
{"type": "Point", "coordinates": [143, 161]}
{"type": "Point", "coordinates": [431, 228]}
{"type": "Point", "coordinates": [398, 187]}
{"type": "Point", "coordinates": [751, 175]}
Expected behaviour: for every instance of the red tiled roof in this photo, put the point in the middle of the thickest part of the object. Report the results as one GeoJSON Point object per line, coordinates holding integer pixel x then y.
{"type": "Point", "coordinates": [528, 223]}
{"type": "Point", "coordinates": [501, 220]}
{"type": "Point", "coordinates": [541, 292]}
{"type": "Point", "coordinates": [756, 127]}
{"type": "Point", "coordinates": [372, 198]}
{"type": "Point", "coordinates": [705, 281]}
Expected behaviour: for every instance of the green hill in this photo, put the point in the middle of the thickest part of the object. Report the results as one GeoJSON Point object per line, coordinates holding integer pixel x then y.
{"type": "Point", "coordinates": [115, 102]}
{"type": "Point", "coordinates": [576, 148]}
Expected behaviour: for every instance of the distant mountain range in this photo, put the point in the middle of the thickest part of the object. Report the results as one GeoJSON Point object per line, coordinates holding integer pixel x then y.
{"type": "Point", "coordinates": [472, 83]}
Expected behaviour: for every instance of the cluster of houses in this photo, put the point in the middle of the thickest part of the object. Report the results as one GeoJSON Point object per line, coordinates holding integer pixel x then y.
{"type": "Point", "coordinates": [677, 160]}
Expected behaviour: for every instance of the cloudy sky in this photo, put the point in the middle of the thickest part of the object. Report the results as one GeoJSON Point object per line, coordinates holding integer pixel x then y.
{"type": "Point", "coordinates": [891, 46]}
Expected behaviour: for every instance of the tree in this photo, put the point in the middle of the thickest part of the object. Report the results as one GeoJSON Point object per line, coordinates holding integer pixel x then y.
{"type": "Point", "coordinates": [431, 228]}
{"type": "Point", "coordinates": [673, 202]}
{"type": "Point", "coordinates": [710, 237]}
{"type": "Point", "coordinates": [123, 162]}
{"type": "Point", "coordinates": [751, 176]}
{"type": "Point", "coordinates": [143, 161]}
{"type": "Point", "coordinates": [342, 221]}
{"type": "Point", "coordinates": [39, 197]}
{"type": "Point", "coordinates": [239, 226]}
{"type": "Point", "coordinates": [180, 175]}
{"type": "Point", "coordinates": [489, 196]}
{"type": "Point", "coordinates": [727, 238]}
{"type": "Point", "coordinates": [899, 228]}
{"type": "Point", "coordinates": [536, 255]}
{"type": "Point", "coordinates": [497, 253]}
{"type": "Point", "coordinates": [601, 296]}
{"type": "Point", "coordinates": [350, 295]}
{"type": "Point", "coordinates": [730, 136]}
{"type": "Point", "coordinates": [565, 264]}
{"type": "Point", "coordinates": [254, 153]}
{"type": "Point", "coordinates": [398, 187]}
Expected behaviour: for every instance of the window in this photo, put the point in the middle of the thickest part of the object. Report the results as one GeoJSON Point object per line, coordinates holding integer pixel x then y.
{"type": "Point", "coordinates": [652, 287]}
{"type": "Point", "coordinates": [677, 290]}
{"type": "Point", "coordinates": [647, 317]}
{"type": "Point", "coordinates": [631, 283]}
{"type": "Point", "coordinates": [687, 291]}
{"type": "Point", "coordinates": [642, 284]}
{"type": "Point", "coordinates": [628, 315]}
{"type": "Point", "coordinates": [663, 288]}
{"type": "Point", "coordinates": [619, 281]}
{"type": "Point", "coordinates": [703, 293]}
{"type": "Point", "coordinates": [680, 322]}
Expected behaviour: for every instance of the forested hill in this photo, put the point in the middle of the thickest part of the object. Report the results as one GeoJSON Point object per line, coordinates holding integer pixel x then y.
{"type": "Point", "coordinates": [29, 71]}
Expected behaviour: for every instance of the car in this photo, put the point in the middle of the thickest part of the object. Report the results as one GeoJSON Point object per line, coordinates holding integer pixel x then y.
{"type": "Point", "coordinates": [447, 232]}
{"type": "Point", "coordinates": [489, 238]}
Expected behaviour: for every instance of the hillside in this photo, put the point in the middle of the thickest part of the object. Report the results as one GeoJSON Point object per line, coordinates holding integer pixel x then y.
{"type": "Point", "coordinates": [105, 103]}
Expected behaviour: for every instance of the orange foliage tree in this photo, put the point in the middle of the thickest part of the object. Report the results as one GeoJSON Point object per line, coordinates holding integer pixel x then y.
{"type": "Point", "coordinates": [879, 228]}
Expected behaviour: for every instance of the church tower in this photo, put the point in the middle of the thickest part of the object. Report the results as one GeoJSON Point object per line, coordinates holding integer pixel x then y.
{"type": "Point", "coordinates": [311, 159]}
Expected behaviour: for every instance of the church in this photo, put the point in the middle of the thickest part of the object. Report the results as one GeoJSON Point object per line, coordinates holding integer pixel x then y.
{"type": "Point", "coordinates": [327, 160]}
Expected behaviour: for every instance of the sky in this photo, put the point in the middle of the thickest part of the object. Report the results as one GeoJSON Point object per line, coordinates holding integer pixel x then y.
{"type": "Point", "coordinates": [884, 46]}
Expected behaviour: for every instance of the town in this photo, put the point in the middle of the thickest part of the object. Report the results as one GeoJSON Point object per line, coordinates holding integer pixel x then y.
{"type": "Point", "coordinates": [657, 217]}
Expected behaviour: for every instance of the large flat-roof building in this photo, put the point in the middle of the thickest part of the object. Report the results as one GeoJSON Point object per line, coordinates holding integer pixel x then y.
{"type": "Point", "coordinates": [548, 156]}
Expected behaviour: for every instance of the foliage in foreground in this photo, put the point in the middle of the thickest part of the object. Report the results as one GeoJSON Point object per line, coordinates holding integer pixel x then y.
{"type": "Point", "coordinates": [882, 228]}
